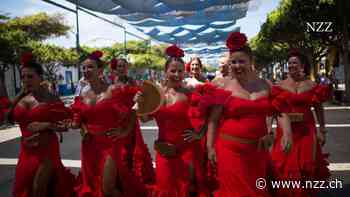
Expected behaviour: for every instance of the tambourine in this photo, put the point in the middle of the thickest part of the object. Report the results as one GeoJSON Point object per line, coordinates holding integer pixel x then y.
{"type": "Point", "coordinates": [152, 96]}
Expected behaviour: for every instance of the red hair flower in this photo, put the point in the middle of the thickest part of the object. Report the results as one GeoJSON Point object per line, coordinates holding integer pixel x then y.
{"type": "Point", "coordinates": [26, 58]}
{"type": "Point", "coordinates": [113, 63]}
{"type": "Point", "coordinates": [236, 41]}
{"type": "Point", "coordinates": [96, 55]}
{"type": "Point", "coordinates": [174, 51]}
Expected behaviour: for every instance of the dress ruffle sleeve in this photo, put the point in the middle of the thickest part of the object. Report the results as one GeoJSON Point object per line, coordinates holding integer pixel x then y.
{"type": "Point", "coordinates": [207, 95]}
{"type": "Point", "coordinates": [322, 93]}
{"type": "Point", "coordinates": [59, 112]}
{"type": "Point", "coordinates": [125, 95]}
{"type": "Point", "coordinates": [279, 100]}
{"type": "Point", "coordinates": [76, 109]}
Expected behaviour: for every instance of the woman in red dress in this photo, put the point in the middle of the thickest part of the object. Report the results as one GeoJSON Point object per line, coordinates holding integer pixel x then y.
{"type": "Point", "coordinates": [176, 158]}
{"type": "Point", "coordinates": [104, 113]}
{"type": "Point", "coordinates": [240, 147]}
{"type": "Point", "coordinates": [39, 171]}
{"type": "Point", "coordinates": [295, 96]}
{"type": "Point", "coordinates": [136, 154]}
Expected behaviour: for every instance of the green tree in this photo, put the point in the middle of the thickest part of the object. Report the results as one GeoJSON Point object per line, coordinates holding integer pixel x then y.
{"type": "Point", "coordinates": [17, 34]}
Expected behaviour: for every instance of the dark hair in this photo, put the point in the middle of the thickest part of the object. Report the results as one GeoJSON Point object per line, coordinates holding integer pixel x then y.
{"type": "Point", "coordinates": [36, 67]}
{"type": "Point", "coordinates": [245, 49]}
{"type": "Point", "coordinates": [123, 60]}
{"type": "Point", "coordinates": [96, 56]}
{"type": "Point", "coordinates": [198, 60]}
{"type": "Point", "coordinates": [303, 60]}
{"type": "Point", "coordinates": [173, 59]}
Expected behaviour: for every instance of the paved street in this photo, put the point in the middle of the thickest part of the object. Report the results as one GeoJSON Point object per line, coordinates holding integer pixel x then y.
{"type": "Point", "coordinates": [338, 123]}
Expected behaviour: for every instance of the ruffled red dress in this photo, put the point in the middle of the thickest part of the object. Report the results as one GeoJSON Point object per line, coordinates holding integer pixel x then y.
{"type": "Point", "coordinates": [203, 98]}
{"type": "Point", "coordinates": [305, 161]}
{"type": "Point", "coordinates": [239, 163]}
{"type": "Point", "coordinates": [96, 146]}
{"type": "Point", "coordinates": [30, 157]}
{"type": "Point", "coordinates": [173, 177]}
{"type": "Point", "coordinates": [4, 105]}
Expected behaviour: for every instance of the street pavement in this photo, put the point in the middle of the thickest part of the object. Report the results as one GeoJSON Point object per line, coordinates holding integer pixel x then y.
{"type": "Point", "coordinates": [338, 125]}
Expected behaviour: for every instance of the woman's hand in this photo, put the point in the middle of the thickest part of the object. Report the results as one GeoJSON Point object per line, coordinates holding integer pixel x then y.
{"type": "Point", "coordinates": [38, 126]}
{"type": "Point", "coordinates": [190, 135]}
{"type": "Point", "coordinates": [265, 142]}
{"type": "Point", "coordinates": [212, 155]}
{"type": "Point", "coordinates": [138, 99]}
{"type": "Point", "coordinates": [286, 142]}
{"type": "Point", "coordinates": [117, 133]}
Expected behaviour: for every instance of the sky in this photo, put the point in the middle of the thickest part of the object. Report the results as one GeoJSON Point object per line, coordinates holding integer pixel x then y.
{"type": "Point", "coordinates": [95, 32]}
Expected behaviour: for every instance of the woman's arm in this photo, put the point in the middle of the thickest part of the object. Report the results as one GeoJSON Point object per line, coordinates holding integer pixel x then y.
{"type": "Point", "coordinates": [287, 140]}
{"type": "Point", "coordinates": [213, 122]}
{"type": "Point", "coordinates": [319, 110]}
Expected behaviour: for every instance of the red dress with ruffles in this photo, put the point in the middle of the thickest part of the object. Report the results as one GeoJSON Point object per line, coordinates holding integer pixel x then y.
{"type": "Point", "coordinates": [31, 157]}
{"type": "Point", "coordinates": [305, 161]}
{"type": "Point", "coordinates": [96, 146]}
{"type": "Point", "coordinates": [241, 164]}
{"type": "Point", "coordinates": [4, 105]}
{"type": "Point", "coordinates": [203, 98]}
{"type": "Point", "coordinates": [173, 177]}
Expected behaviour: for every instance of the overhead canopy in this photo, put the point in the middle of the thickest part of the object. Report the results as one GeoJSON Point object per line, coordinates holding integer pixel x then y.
{"type": "Point", "coordinates": [213, 18]}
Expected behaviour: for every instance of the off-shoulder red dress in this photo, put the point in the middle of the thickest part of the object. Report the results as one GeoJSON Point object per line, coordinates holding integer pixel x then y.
{"type": "Point", "coordinates": [305, 161]}
{"type": "Point", "coordinates": [173, 177]}
{"type": "Point", "coordinates": [96, 146]}
{"type": "Point", "coordinates": [31, 157]}
{"type": "Point", "coordinates": [239, 162]}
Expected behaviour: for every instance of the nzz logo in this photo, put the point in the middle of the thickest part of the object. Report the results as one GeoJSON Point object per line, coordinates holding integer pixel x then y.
{"type": "Point", "coordinates": [319, 27]}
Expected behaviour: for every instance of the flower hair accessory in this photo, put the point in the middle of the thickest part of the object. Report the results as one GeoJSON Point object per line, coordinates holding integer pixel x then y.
{"type": "Point", "coordinates": [113, 63]}
{"type": "Point", "coordinates": [26, 58]}
{"type": "Point", "coordinates": [174, 51]}
{"type": "Point", "coordinates": [236, 41]}
{"type": "Point", "coordinates": [96, 55]}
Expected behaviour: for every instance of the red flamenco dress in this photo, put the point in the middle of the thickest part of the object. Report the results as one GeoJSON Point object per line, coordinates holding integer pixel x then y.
{"type": "Point", "coordinates": [173, 176]}
{"type": "Point", "coordinates": [135, 152]}
{"type": "Point", "coordinates": [203, 97]}
{"type": "Point", "coordinates": [305, 161]}
{"type": "Point", "coordinates": [96, 146]}
{"type": "Point", "coordinates": [31, 157]}
{"type": "Point", "coordinates": [239, 161]}
{"type": "Point", "coordinates": [4, 105]}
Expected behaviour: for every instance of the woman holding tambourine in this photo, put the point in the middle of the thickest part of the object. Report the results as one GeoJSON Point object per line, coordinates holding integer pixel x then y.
{"type": "Point", "coordinates": [176, 158]}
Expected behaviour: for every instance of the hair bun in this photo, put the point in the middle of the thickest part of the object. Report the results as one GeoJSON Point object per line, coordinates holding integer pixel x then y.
{"type": "Point", "coordinates": [174, 51]}
{"type": "Point", "coordinates": [236, 41]}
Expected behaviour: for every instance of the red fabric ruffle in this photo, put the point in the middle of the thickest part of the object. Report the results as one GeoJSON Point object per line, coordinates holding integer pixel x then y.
{"type": "Point", "coordinates": [279, 100]}
{"type": "Point", "coordinates": [322, 93]}
{"type": "Point", "coordinates": [207, 95]}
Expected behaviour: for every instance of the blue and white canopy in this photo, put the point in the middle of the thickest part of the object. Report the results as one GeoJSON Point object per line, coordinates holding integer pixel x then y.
{"type": "Point", "coordinates": [176, 21]}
